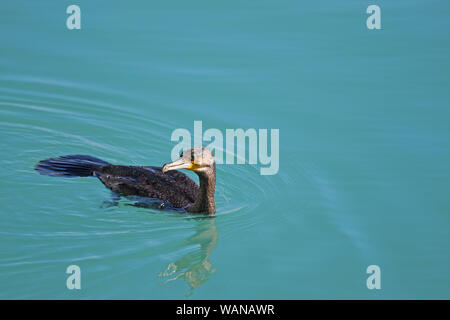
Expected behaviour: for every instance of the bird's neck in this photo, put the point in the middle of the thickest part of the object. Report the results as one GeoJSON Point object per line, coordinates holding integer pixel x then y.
{"type": "Point", "coordinates": [205, 200]}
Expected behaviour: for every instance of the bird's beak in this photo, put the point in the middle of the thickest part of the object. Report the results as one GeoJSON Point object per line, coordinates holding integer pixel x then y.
{"type": "Point", "coordinates": [177, 164]}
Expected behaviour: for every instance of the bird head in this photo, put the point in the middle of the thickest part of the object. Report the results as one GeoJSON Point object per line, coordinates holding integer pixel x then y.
{"type": "Point", "coordinates": [198, 159]}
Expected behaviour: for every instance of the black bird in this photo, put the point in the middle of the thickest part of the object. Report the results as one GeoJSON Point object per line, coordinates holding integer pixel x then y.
{"type": "Point", "coordinates": [165, 184]}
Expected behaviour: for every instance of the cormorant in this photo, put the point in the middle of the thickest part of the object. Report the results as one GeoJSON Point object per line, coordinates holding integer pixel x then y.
{"type": "Point", "coordinates": [165, 184]}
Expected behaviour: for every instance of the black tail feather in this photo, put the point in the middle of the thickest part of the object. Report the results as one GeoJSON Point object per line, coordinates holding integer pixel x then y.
{"type": "Point", "coordinates": [70, 166]}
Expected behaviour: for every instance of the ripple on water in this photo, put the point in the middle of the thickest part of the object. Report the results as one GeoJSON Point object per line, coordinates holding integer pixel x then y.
{"type": "Point", "coordinates": [49, 117]}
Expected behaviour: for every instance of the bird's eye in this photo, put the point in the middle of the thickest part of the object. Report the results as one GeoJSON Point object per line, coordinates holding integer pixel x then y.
{"type": "Point", "coordinates": [181, 154]}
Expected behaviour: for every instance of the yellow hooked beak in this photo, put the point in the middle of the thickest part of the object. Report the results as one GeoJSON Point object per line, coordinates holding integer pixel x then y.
{"type": "Point", "coordinates": [180, 164]}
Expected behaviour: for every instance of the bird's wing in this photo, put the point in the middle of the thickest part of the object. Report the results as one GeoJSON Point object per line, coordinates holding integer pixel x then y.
{"type": "Point", "coordinates": [173, 186]}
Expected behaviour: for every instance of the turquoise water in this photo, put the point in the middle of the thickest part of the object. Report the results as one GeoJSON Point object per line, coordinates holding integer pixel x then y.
{"type": "Point", "coordinates": [364, 173]}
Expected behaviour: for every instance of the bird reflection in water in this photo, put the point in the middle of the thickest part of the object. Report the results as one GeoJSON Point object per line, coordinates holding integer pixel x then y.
{"type": "Point", "coordinates": [195, 267]}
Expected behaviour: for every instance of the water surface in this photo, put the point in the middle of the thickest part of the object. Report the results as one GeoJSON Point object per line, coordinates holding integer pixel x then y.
{"type": "Point", "coordinates": [364, 148]}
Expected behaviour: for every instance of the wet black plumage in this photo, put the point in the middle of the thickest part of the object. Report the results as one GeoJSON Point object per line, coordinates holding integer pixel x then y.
{"type": "Point", "coordinates": [172, 186]}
